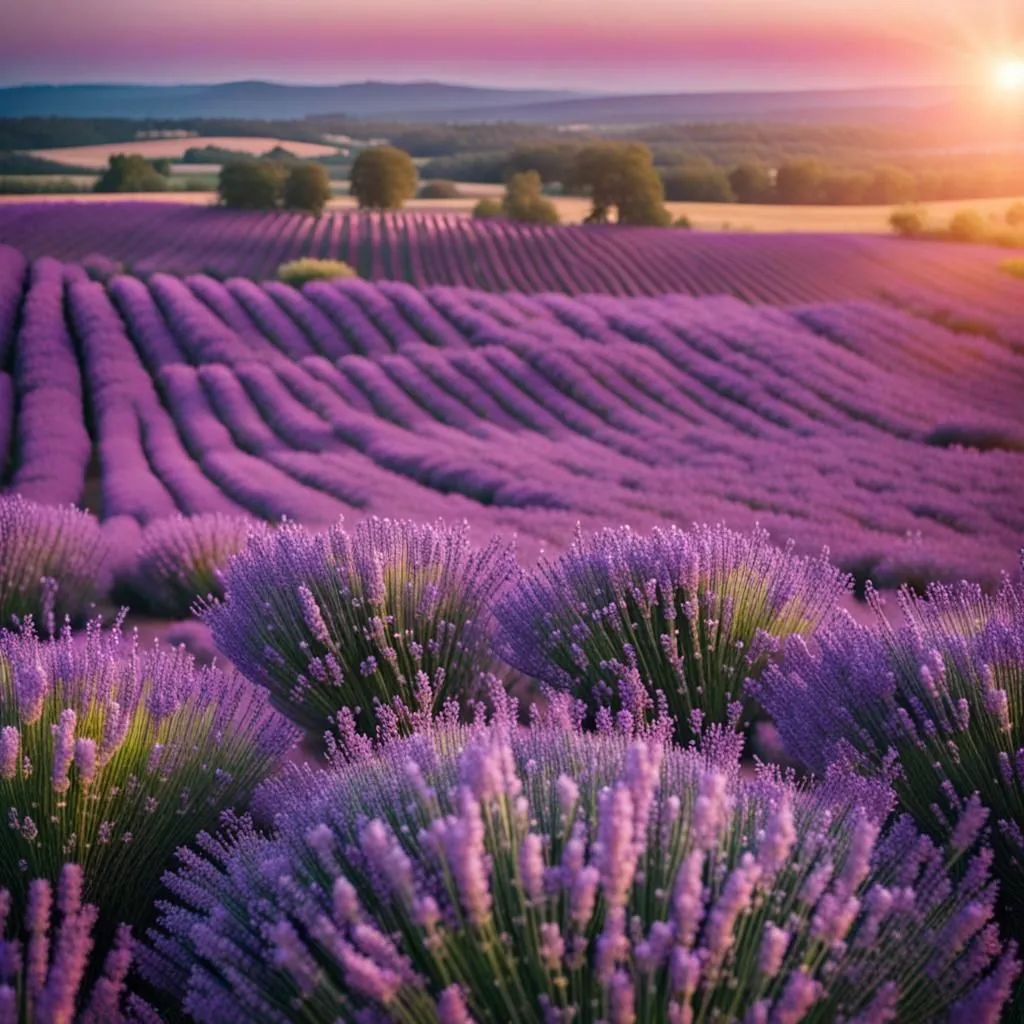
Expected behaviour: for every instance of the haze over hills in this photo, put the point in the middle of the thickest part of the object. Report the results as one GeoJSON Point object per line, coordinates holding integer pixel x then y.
{"type": "Point", "coordinates": [438, 102]}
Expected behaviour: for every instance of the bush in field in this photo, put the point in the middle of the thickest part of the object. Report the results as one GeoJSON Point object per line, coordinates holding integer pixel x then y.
{"type": "Point", "coordinates": [251, 184]}
{"type": "Point", "coordinates": [752, 183]}
{"type": "Point", "coordinates": [547, 875]}
{"type": "Point", "coordinates": [487, 209]}
{"type": "Point", "coordinates": [688, 616]}
{"type": "Point", "coordinates": [525, 201]}
{"type": "Point", "coordinates": [968, 226]}
{"type": "Point", "coordinates": [131, 174]}
{"type": "Point", "coordinates": [621, 177]}
{"type": "Point", "coordinates": [799, 181]}
{"type": "Point", "coordinates": [698, 185]}
{"type": "Point", "coordinates": [683, 222]}
{"type": "Point", "coordinates": [307, 188]}
{"type": "Point", "coordinates": [300, 272]}
{"type": "Point", "coordinates": [180, 559]}
{"type": "Point", "coordinates": [54, 562]}
{"type": "Point", "coordinates": [936, 706]}
{"type": "Point", "coordinates": [1015, 215]}
{"type": "Point", "coordinates": [337, 621]}
{"type": "Point", "coordinates": [383, 178]}
{"type": "Point", "coordinates": [440, 189]}
{"type": "Point", "coordinates": [1015, 268]}
{"type": "Point", "coordinates": [44, 978]}
{"type": "Point", "coordinates": [114, 758]}
{"type": "Point", "coordinates": [908, 222]}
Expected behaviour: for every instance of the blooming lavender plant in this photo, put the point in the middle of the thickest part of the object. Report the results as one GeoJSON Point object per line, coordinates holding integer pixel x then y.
{"type": "Point", "coordinates": [547, 875]}
{"type": "Point", "coordinates": [180, 559]}
{"type": "Point", "coordinates": [695, 614]}
{"type": "Point", "coordinates": [44, 979]}
{"type": "Point", "coordinates": [936, 705]}
{"type": "Point", "coordinates": [53, 561]}
{"type": "Point", "coordinates": [112, 756]}
{"type": "Point", "coordinates": [342, 620]}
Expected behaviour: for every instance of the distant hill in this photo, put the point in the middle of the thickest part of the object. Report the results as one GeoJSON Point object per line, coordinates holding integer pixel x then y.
{"type": "Point", "coordinates": [435, 102]}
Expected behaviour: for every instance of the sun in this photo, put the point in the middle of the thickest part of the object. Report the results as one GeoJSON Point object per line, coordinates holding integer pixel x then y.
{"type": "Point", "coordinates": [1009, 74]}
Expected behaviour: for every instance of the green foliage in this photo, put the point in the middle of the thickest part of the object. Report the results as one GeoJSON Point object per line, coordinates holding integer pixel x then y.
{"type": "Point", "coordinates": [621, 176]}
{"type": "Point", "coordinates": [1015, 268]}
{"type": "Point", "coordinates": [968, 226]}
{"type": "Point", "coordinates": [799, 182]}
{"type": "Point", "coordinates": [212, 155]}
{"type": "Point", "coordinates": [553, 162]}
{"type": "Point", "coordinates": [300, 272]}
{"type": "Point", "coordinates": [251, 184]}
{"type": "Point", "coordinates": [383, 178]}
{"type": "Point", "coordinates": [698, 185]}
{"type": "Point", "coordinates": [845, 188]}
{"type": "Point", "coordinates": [440, 189]}
{"type": "Point", "coordinates": [682, 222]}
{"type": "Point", "coordinates": [752, 182]}
{"type": "Point", "coordinates": [307, 188]}
{"type": "Point", "coordinates": [487, 209]}
{"type": "Point", "coordinates": [524, 200]}
{"type": "Point", "coordinates": [34, 185]}
{"type": "Point", "coordinates": [891, 185]}
{"type": "Point", "coordinates": [908, 222]}
{"type": "Point", "coordinates": [131, 174]}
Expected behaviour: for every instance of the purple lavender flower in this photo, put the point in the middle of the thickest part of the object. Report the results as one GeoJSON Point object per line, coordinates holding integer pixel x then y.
{"type": "Point", "coordinates": [339, 620]}
{"type": "Point", "coordinates": [694, 614]}
{"type": "Point", "coordinates": [617, 915]}
{"type": "Point", "coordinates": [935, 705]}
{"type": "Point", "coordinates": [40, 544]}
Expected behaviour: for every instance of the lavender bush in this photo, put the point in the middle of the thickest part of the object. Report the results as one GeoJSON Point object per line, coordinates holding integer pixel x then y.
{"type": "Point", "coordinates": [53, 561]}
{"type": "Point", "coordinates": [695, 614]}
{"type": "Point", "coordinates": [180, 559]}
{"type": "Point", "coordinates": [113, 756]}
{"type": "Point", "coordinates": [342, 620]}
{"type": "Point", "coordinates": [936, 705]}
{"type": "Point", "coordinates": [547, 875]}
{"type": "Point", "coordinates": [44, 979]}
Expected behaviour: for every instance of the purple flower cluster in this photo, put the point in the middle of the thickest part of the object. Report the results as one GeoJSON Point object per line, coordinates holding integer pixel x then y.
{"type": "Point", "coordinates": [494, 874]}
{"type": "Point", "coordinates": [340, 622]}
{"type": "Point", "coordinates": [43, 977]}
{"type": "Point", "coordinates": [112, 756]}
{"type": "Point", "coordinates": [179, 560]}
{"type": "Point", "coordinates": [935, 705]}
{"type": "Point", "coordinates": [53, 562]}
{"type": "Point", "coordinates": [692, 614]}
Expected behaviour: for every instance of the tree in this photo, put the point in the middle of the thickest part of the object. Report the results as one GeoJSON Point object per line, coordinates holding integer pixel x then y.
{"type": "Point", "coordinates": [621, 176]}
{"type": "Point", "coordinates": [130, 174]}
{"type": "Point", "coordinates": [554, 163]}
{"type": "Point", "coordinates": [752, 183]}
{"type": "Point", "coordinates": [440, 189]}
{"type": "Point", "coordinates": [525, 201]}
{"type": "Point", "coordinates": [698, 185]}
{"type": "Point", "coordinates": [908, 222]}
{"type": "Point", "coordinates": [383, 178]}
{"type": "Point", "coordinates": [1015, 215]}
{"type": "Point", "coordinates": [487, 209]}
{"type": "Point", "coordinates": [968, 226]}
{"type": "Point", "coordinates": [844, 188]}
{"type": "Point", "coordinates": [892, 185]}
{"type": "Point", "coordinates": [308, 188]}
{"type": "Point", "coordinates": [251, 184]}
{"type": "Point", "coordinates": [798, 182]}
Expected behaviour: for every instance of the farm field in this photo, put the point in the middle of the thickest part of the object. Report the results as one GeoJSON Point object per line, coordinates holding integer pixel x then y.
{"type": "Point", "coordinates": [834, 421]}
{"type": "Point", "coordinates": [706, 217]}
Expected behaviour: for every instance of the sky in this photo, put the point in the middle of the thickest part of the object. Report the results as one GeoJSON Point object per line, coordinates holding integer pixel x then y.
{"type": "Point", "coordinates": [593, 45]}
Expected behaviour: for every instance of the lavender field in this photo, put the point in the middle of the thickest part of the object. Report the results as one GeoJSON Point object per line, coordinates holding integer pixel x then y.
{"type": "Point", "coordinates": [853, 424]}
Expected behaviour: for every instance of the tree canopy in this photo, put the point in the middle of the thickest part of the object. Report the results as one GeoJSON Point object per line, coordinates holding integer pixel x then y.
{"type": "Point", "coordinates": [131, 174]}
{"type": "Point", "coordinates": [308, 188]}
{"type": "Point", "coordinates": [252, 184]}
{"type": "Point", "coordinates": [621, 177]}
{"type": "Point", "coordinates": [383, 178]}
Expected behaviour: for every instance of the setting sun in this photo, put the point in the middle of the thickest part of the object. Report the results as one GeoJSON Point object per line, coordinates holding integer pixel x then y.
{"type": "Point", "coordinates": [1009, 74]}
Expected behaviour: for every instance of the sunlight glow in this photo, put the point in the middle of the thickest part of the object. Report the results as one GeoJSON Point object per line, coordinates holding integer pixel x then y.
{"type": "Point", "coordinates": [1009, 74]}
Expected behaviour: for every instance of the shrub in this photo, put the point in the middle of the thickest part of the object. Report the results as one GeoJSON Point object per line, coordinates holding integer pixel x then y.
{"type": "Point", "coordinates": [307, 188]}
{"type": "Point", "coordinates": [944, 695]}
{"type": "Point", "coordinates": [693, 613]}
{"type": "Point", "coordinates": [113, 759]}
{"type": "Point", "coordinates": [180, 559]}
{"type": "Point", "coordinates": [683, 222]}
{"type": "Point", "coordinates": [1015, 268]}
{"type": "Point", "coordinates": [53, 561]}
{"type": "Point", "coordinates": [799, 181]}
{"type": "Point", "coordinates": [383, 178]}
{"type": "Point", "coordinates": [251, 184]}
{"type": "Point", "coordinates": [549, 875]}
{"type": "Point", "coordinates": [1015, 215]}
{"type": "Point", "coordinates": [300, 272]}
{"type": "Point", "coordinates": [487, 209]}
{"type": "Point", "coordinates": [698, 185]}
{"type": "Point", "coordinates": [46, 984]}
{"type": "Point", "coordinates": [908, 222]}
{"type": "Point", "coordinates": [131, 174]}
{"type": "Point", "coordinates": [968, 226]}
{"type": "Point", "coordinates": [752, 183]}
{"type": "Point", "coordinates": [621, 176]}
{"type": "Point", "coordinates": [440, 189]}
{"type": "Point", "coordinates": [337, 621]}
{"type": "Point", "coordinates": [524, 200]}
